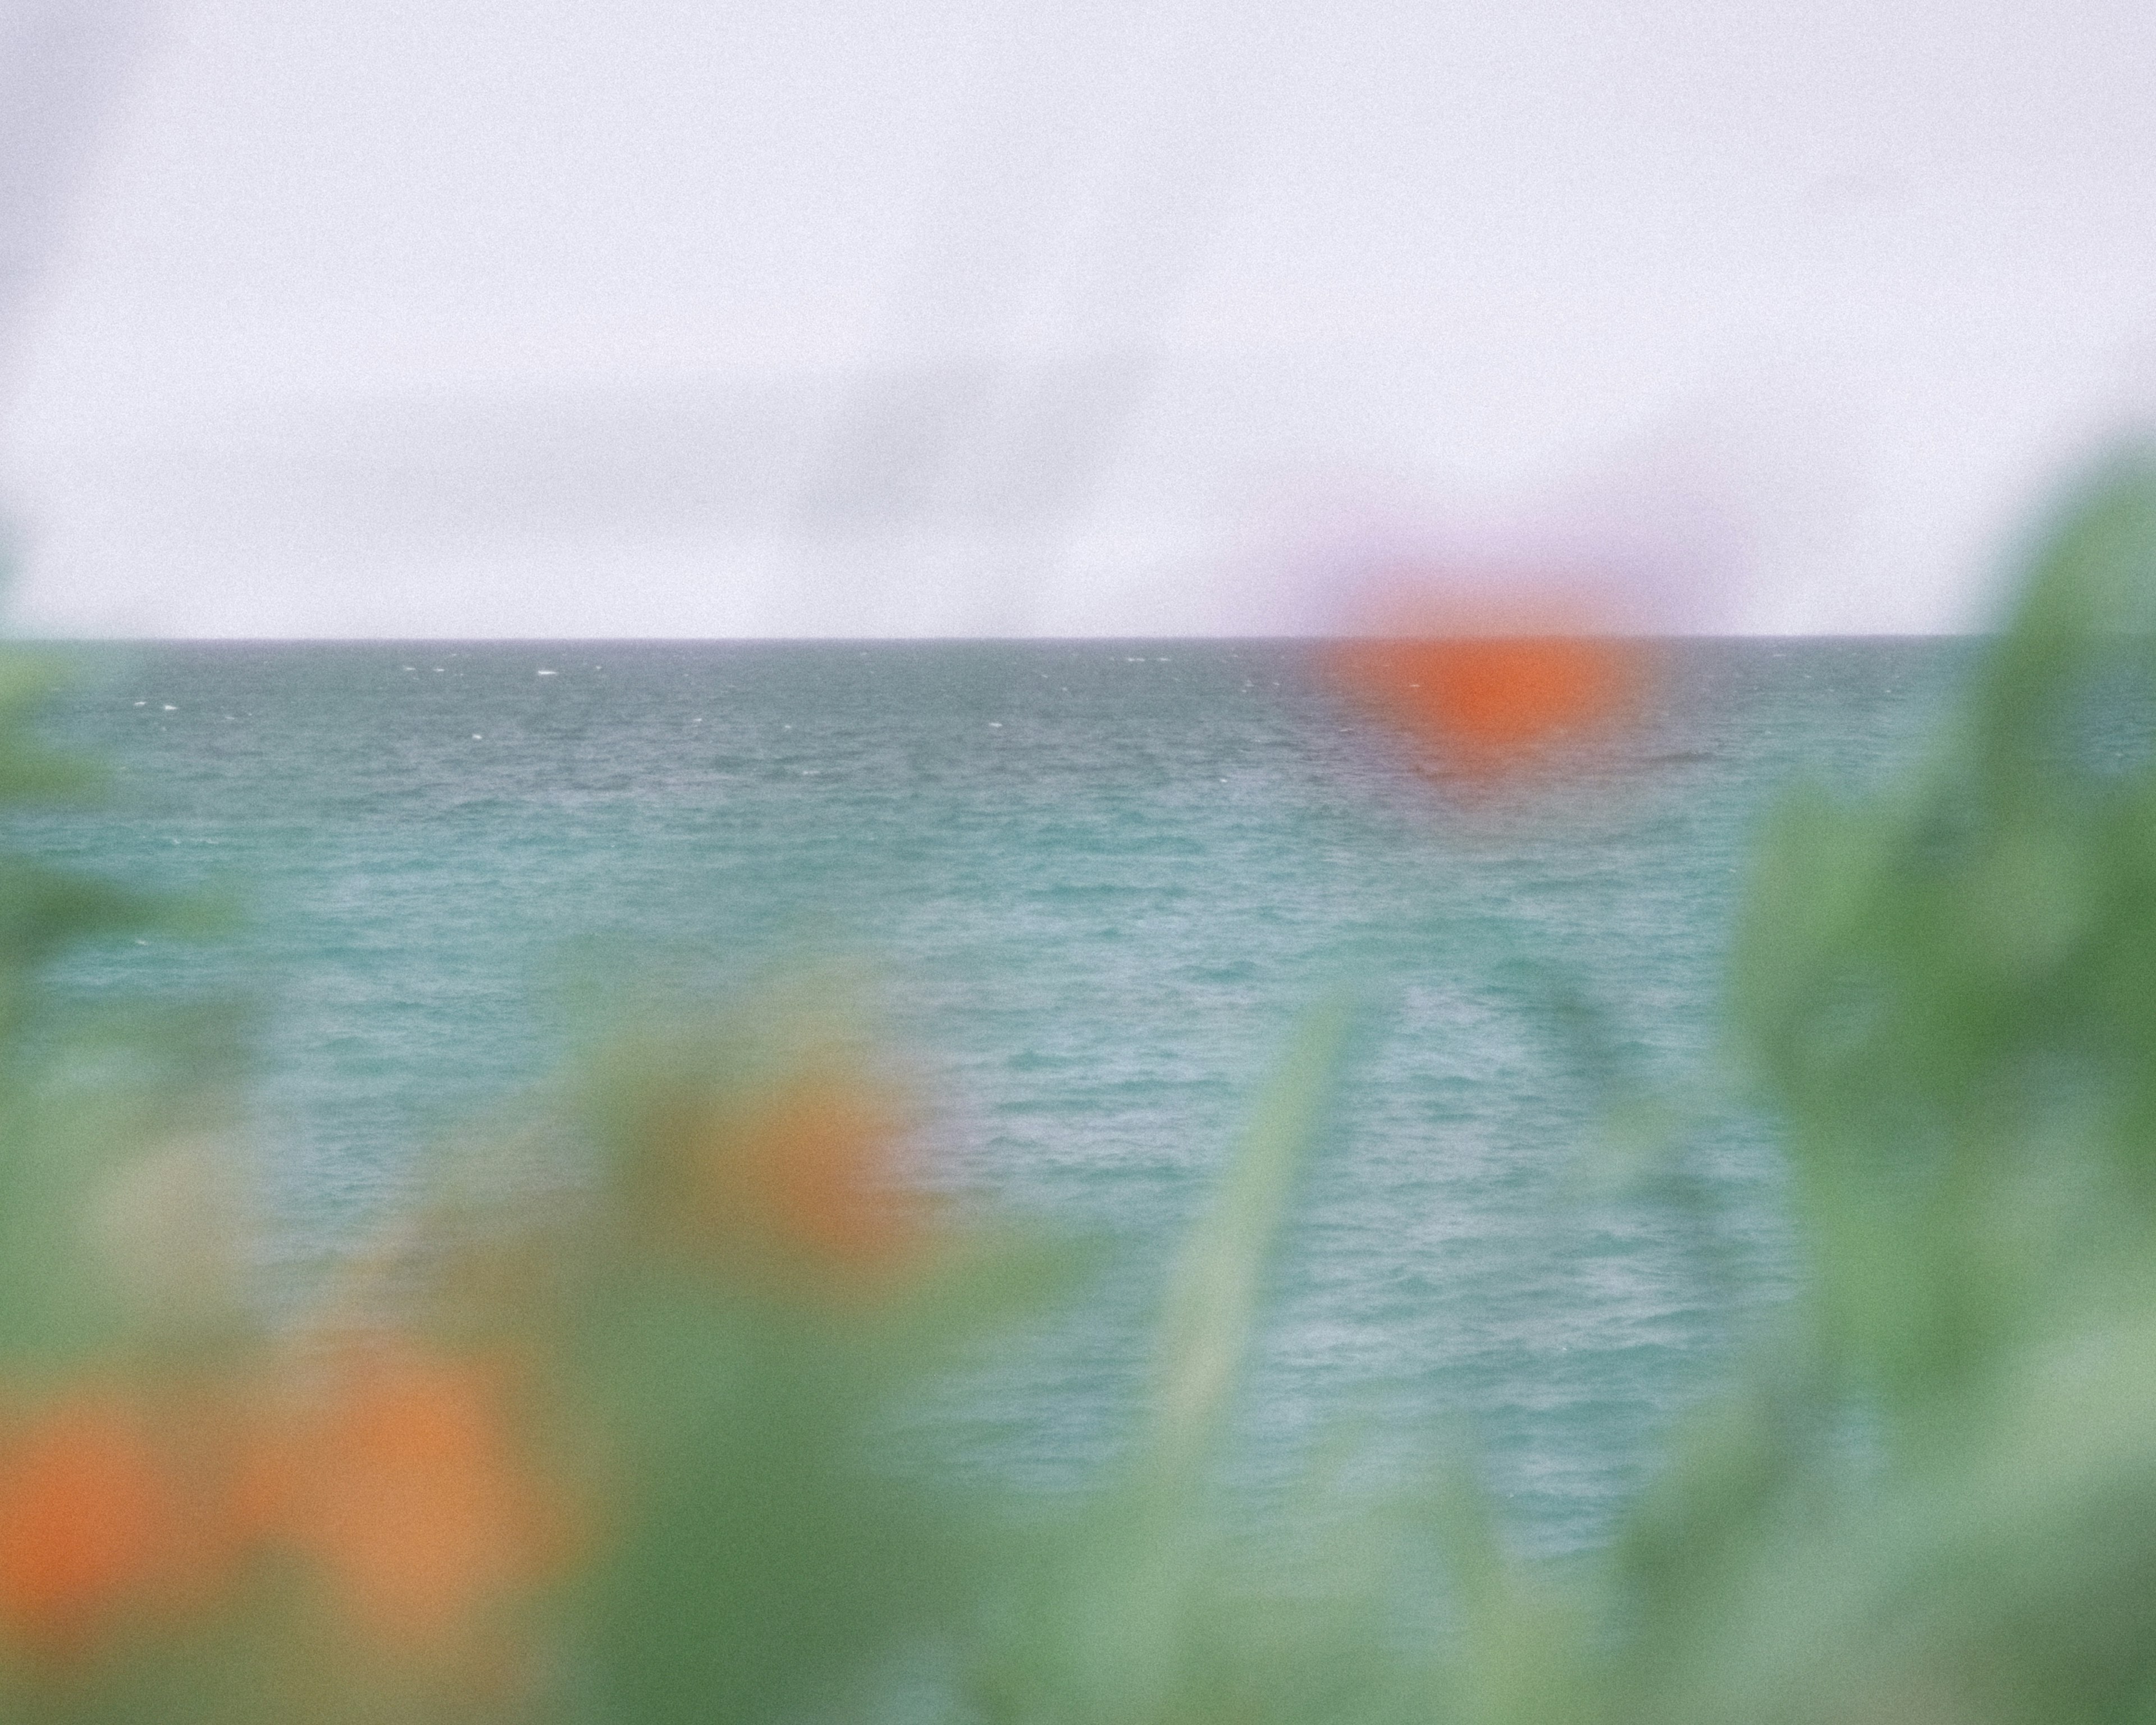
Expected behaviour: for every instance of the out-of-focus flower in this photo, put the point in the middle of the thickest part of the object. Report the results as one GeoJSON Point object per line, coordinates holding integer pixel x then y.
{"type": "Point", "coordinates": [90, 1515]}
{"type": "Point", "coordinates": [395, 1469]}
{"type": "Point", "coordinates": [821, 1154]}
{"type": "Point", "coordinates": [1492, 686]}
{"type": "Point", "coordinates": [803, 1176]}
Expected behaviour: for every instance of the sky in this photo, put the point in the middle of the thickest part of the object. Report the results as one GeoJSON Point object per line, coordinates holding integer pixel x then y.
{"type": "Point", "coordinates": [958, 317]}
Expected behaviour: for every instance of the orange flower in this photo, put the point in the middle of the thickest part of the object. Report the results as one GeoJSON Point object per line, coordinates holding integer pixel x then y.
{"type": "Point", "coordinates": [399, 1478]}
{"type": "Point", "coordinates": [805, 1174]}
{"type": "Point", "coordinates": [88, 1515]}
{"type": "Point", "coordinates": [820, 1158]}
{"type": "Point", "coordinates": [1491, 690]}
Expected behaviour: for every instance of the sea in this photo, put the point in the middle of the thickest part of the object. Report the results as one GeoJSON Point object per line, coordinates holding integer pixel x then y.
{"type": "Point", "coordinates": [1086, 892]}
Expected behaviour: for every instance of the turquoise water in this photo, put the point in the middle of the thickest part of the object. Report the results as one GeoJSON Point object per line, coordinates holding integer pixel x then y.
{"type": "Point", "coordinates": [1094, 884]}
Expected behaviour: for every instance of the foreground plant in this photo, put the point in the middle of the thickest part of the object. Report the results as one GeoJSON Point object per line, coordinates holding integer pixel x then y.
{"type": "Point", "coordinates": [1933, 1497]}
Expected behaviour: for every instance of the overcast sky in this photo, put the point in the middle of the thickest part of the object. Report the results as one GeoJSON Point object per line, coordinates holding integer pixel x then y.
{"type": "Point", "coordinates": [522, 317]}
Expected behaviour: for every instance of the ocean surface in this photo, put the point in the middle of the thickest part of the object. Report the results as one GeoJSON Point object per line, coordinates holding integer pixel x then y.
{"type": "Point", "coordinates": [1089, 887]}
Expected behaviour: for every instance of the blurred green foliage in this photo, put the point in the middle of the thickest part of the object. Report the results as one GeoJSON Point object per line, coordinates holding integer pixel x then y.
{"type": "Point", "coordinates": [625, 1425]}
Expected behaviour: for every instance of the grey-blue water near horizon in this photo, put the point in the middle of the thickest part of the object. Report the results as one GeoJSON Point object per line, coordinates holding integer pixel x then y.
{"type": "Point", "coordinates": [1094, 885]}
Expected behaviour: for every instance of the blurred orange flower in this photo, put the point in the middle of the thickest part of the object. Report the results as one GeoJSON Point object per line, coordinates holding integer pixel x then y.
{"type": "Point", "coordinates": [1492, 691]}
{"type": "Point", "coordinates": [88, 1514]}
{"type": "Point", "coordinates": [397, 1472]}
{"type": "Point", "coordinates": [806, 1171]}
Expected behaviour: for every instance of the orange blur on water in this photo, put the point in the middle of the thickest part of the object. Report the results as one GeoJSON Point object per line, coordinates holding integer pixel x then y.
{"type": "Point", "coordinates": [1492, 690]}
